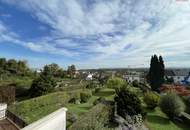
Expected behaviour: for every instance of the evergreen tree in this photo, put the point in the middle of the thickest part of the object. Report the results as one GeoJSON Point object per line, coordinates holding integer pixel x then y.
{"type": "Point", "coordinates": [156, 72]}
{"type": "Point", "coordinates": [162, 70]}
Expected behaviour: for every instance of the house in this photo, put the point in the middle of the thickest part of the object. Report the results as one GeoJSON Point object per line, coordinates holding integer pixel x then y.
{"type": "Point", "coordinates": [131, 78]}
{"type": "Point", "coordinates": [134, 76]}
{"type": "Point", "coordinates": [179, 76]}
{"type": "Point", "coordinates": [89, 76]}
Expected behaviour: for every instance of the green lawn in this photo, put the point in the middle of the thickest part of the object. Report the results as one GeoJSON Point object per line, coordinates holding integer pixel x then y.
{"type": "Point", "coordinates": [36, 108]}
{"type": "Point", "coordinates": [157, 120]}
{"type": "Point", "coordinates": [84, 107]}
{"type": "Point", "coordinates": [81, 108]}
{"type": "Point", "coordinates": [107, 93]}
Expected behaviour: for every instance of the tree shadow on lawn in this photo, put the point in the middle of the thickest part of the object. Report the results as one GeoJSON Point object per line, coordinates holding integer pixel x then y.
{"type": "Point", "coordinates": [158, 119]}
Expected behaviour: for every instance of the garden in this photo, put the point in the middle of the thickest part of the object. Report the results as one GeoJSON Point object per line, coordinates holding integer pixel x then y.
{"type": "Point", "coordinates": [135, 105]}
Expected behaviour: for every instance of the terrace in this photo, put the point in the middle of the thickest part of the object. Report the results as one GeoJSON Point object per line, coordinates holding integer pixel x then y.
{"type": "Point", "coordinates": [6, 124]}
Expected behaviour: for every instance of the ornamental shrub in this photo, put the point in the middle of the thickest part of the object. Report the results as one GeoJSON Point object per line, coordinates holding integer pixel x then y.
{"type": "Point", "coordinates": [127, 103]}
{"type": "Point", "coordinates": [172, 105]}
{"type": "Point", "coordinates": [151, 99]}
{"type": "Point", "coordinates": [85, 96]}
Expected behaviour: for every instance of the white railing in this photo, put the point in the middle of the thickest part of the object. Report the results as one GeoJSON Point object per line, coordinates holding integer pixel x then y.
{"type": "Point", "coordinates": [54, 121]}
{"type": "Point", "coordinates": [3, 108]}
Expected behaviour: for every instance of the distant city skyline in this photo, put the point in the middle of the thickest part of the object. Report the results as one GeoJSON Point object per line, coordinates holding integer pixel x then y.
{"type": "Point", "coordinates": [95, 33]}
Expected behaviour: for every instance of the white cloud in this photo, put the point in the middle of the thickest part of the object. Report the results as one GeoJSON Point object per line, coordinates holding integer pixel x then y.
{"type": "Point", "coordinates": [108, 27]}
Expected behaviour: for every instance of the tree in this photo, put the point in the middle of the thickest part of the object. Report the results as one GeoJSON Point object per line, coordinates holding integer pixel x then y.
{"type": "Point", "coordinates": [45, 83]}
{"type": "Point", "coordinates": [42, 85]}
{"type": "Point", "coordinates": [2, 63]}
{"type": "Point", "coordinates": [53, 70]}
{"type": "Point", "coordinates": [71, 71]}
{"type": "Point", "coordinates": [50, 69]}
{"type": "Point", "coordinates": [12, 66]}
{"type": "Point", "coordinates": [115, 83]}
{"type": "Point", "coordinates": [2, 67]}
{"type": "Point", "coordinates": [156, 72]}
{"type": "Point", "coordinates": [22, 67]}
{"type": "Point", "coordinates": [127, 102]}
{"type": "Point", "coordinates": [162, 69]}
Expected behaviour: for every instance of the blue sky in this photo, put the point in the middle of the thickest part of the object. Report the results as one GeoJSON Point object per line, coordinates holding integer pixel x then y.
{"type": "Point", "coordinates": [95, 33]}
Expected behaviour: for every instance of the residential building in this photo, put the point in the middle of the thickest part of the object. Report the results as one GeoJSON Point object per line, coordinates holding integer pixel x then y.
{"type": "Point", "coordinates": [134, 76]}
{"type": "Point", "coordinates": [179, 76]}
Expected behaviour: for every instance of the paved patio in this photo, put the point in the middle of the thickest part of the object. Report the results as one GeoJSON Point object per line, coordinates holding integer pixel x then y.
{"type": "Point", "coordinates": [7, 125]}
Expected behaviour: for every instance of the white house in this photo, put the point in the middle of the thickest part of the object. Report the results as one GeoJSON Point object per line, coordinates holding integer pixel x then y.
{"type": "Point", "coordinates": [131, 78]}
{"type": "Point", "coordinates": [89, 77]}
{"type": "Point", "coordinates": [54, 121]}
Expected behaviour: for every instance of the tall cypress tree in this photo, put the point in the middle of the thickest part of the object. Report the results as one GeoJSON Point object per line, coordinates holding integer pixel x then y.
{"type": "Point", "coordinates": [156, 72]}
{"type": "Point", "coordinates": [162, 70]}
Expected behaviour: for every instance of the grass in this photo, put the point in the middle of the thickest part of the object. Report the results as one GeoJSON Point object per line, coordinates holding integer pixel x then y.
{"type": "Point", "coordinates": [84, 107]}
{"type": "Point", "coordinates": [79, 109]}
{"type": "Point", "coordinates": [98, 113]}
{"type": "Point", "coordinates": [157, 120]}
{"type": "Point", "coordinates": [107, 93]}
{"type": "Point", "coordinates": [36, 108]}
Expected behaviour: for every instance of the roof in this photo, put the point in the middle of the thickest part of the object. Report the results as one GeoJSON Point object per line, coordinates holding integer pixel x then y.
{"type": "Point", "coordinates": [177, 72]}
{"type": "Point", "coordinates": [181, 72]}
{"type": "Point", "coordinates": [169, 73]}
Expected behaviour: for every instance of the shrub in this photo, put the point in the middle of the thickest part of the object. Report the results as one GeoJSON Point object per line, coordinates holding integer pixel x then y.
{"type": "Point", "coordinates": [92, 85]}
{"type": "Point", "coordinates": [95, 119]}
{"type": "Point", "coordinates": [151, 99]}
{"type": "Point", "coordinates": [127, 103]}
{"type": "Point", "coordinates": [97, 90]}
{"type": "Point", "coordinates": [115, 83]}
{"type": "Point", "coordinates": [99, 100]}
{"type": "Point", "coordinates": [172, 105]}
{"type": "Point", "coordinates": [71, 117]}
{"type": "Point", "coordinates": [186, 100]}
{"type": "Point", "coordinates": [135, 84]}
{"type": "Point", "coordinates": [85, 96]}
{"type": "Point", "coordinates": [74, 100]}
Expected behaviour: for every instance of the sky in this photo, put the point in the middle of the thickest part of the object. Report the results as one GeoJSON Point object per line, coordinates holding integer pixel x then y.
{"type": "Point", "coordinates": [95, 33]}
